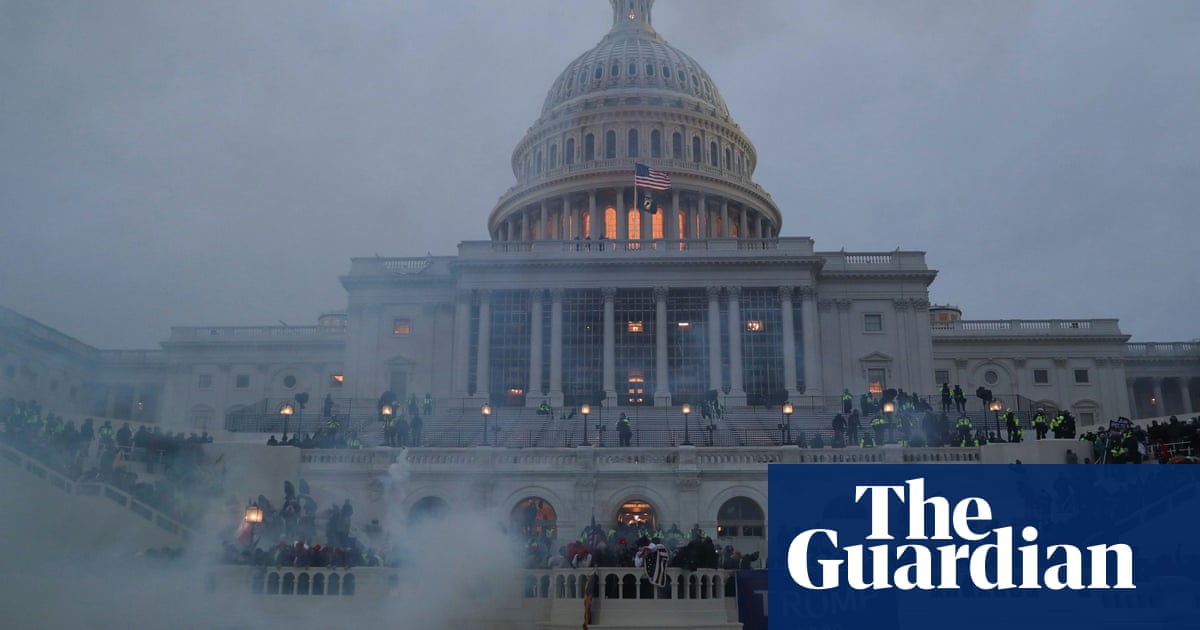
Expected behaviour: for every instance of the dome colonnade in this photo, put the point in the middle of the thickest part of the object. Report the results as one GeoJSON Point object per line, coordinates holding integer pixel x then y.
{"type": "Point", "coordinates": [632, 99]}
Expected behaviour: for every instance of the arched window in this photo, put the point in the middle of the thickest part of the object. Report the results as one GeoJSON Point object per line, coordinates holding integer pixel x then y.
{"type": "Point", "coordinates": [681, 219]}
{"type": "Point", "coordinates": [554, 156]}
{"type": "Point", "coordinates": [658, 225]}
{"type": "Point", "coordinates": [582, 78]}
{"type": "Point", "coordinates": [712, 154]}
{"type": "Point", "coordinates": [633, 224]}
{"type": "Point", "coordinates": [677, 146]}
{"type": "Point", "coordinates": [318, 584]}
{"type": "Point", "coordinates": [538, 162]}
{"type": "Point", "coordinates": [348, 584]}
{"type": "Point", "coordinates": [656, 143]}
{"type": "Point", "coordinates": [637, 514]}
{"type": "Point", "coordinates": [534, 516]}
{"type": "Point", "coordinates": [728, 159]}
{"type": "Point", "coordinates": [610, 223]}
{"type": "Point", "coordinates": [697, 152]}
{"type": "Point", "coordinates": [633, 69]}
{"type": "Point", "coordinates": [586, 218]}
{"type": "Point", "coordinates": [649, 69]}
{"type": "Point", "coordinates": [610, 145]}
{"type": "Point", "coordinates": [569, 154]}
{"type": "Point", "coordinates": [335, 584]}
{"type": "Point", "coordinates": [289, 583]}
{"type": "Point", "coordinates": [302, 584]}
{"type": "Point", "coordinates": [740, 517]}
{"type": "Point", "coordinates": [666, 72]}
{"type": "Point", "coordinates": [429, 508]}
{"type": "Point", "coordinates": [589, 148]}
{"type": "Point", "coordinates": [615, 71]}
{"type": "Point", "coordinates": [599, 73]}
{"type": "Point", "coordinates": [633, 143]}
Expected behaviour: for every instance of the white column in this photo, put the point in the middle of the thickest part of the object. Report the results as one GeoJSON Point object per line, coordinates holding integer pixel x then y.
{"type": "Point", "coordinates": [556, 346]}
{"type": "Point", "coordinates": [812, 341]}
{"type": "Point", "coordinates": [542, 232]}
{"type": "Point", "coordinates": [787, 316]}
{"type": "Point", "coordinates": [462, 341]}
{"type": "Point", "coordinates": [744, 223]}
{"type": "Point", "coordinates": [1133, 409]}
{"type": "Point", "coordinates": [736, 393]}
{"type": "Point", "coordinates": [1186, 392]}
{"type": "Point", "coordinates": [622, 217]}
{"type": "Point", "coordinates": [610, 347]}
{"type": "Point", "coordinates": [702, 213]}
{"type": "Point", "coordinates": [848, 379]}
{"type": "Point", "coordinates": [1160, 406]}
{"type": "Point", "coordinates": [726, 229]}
{"type": "Point", "coordinates": [592, 218]}
{"type": "Point", "coordinates": [714, 338]}
{"type": "Point", "coordinates": [535, 346]}
{"type": "Point", "coordinates": [564, 220]}
{"type": "Point", "coordinates": [482, 357]}
{"type": "Point", "coordinates": [662, 376]}
{"type": "Point", "coordinates": [671, 223]}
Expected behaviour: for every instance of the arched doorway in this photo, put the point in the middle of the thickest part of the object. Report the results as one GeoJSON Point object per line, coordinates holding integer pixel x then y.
{"type": "Point", "coordinates": [741, 525]}
{"type": "Point", "coordinates": [637, 515]}
{"type": "Point", "coordinates": [535, 516]}
{"type": "Point", "coordinates": [428, 509]}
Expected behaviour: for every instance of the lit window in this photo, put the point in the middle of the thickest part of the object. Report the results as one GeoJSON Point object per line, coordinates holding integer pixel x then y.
{"type": "Point", "coordinates": [684, 325]}
{"type": "Point", "coordinates": [205, 381]}
{"type": "Point", "coordinates": [754, 325]}
{"type": "Point", "coordinates": [243, 381]}
{"type": "Point", "coordinates": [1081, 376]}
{"type": "Point", "coordinates": [402, 326]}
{"type": "Point", "coordinates": [337, 380]}
{"type": "Point", "coordinates": [876, 380]}
{"type": "Point", "coordinates": [516, 391]}
{"type": "Point", "coordinates": [635, 327]}
{"type": "Point", "coordinates": [873, 322]}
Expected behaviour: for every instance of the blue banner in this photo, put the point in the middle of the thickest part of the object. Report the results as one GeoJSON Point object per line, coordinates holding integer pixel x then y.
{"type": "Point", "coordinates": [1020, 547]}
{"type": "Point", "coordinates": [752, 599]}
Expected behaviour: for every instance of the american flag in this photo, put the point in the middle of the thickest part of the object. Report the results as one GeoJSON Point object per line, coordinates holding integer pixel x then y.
{"type": "Point", "coordinates": [646, 177]}
{"type": "Point", "coordinates": [656, 561]}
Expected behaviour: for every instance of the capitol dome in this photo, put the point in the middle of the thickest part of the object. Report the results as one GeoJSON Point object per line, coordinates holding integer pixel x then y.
{"type": "Point", "coordinates": [634, 99]}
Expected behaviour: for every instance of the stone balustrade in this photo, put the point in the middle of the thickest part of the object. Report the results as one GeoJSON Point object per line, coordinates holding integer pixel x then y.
{"type": "Point", "coordinates": [1027, 327]}
{"type": "Point", "coordinates": [240, 333]}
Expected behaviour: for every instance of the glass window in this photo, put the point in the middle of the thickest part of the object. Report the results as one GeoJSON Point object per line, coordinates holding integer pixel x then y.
{"type": "Point", "coordinates": [583, 78]}
{"type": "Point", "coordinates": [873, 322]}
{"type": "Point", "coordinates": [599, 72]}
{"type": "Point", "coordinates": [762, 343]}
{"type": "Point", "coordinates": [401, 326]}
{"type": "Point", "coordinates": [677, 146]}
{"type": "Point", "coordinates": [635, 346]}
{"type": "Point", "coordinates": [633, 69]}
{"type": "Point", "coordinates": [656, 143]}
{"type": "Point", "coordinates": [511, 320]}
{"type": "Point", "coordinates": [204, 381]}
{"type": "Point", "coordinates": [633, 143]}
{"type": "Point", "coordinates": [1081, 376]}
{"type": "Point", "coordinates": [728, 160]}
{"type": "Point", "coordinates": [991, 377]}
{"type": "Point", "coordinates": [615, 71]}
{"type": "Point", "coordinates": [569, 154]}
{"type": "Point", "coordinates": [697, 152]}
{"type": "Point", "coordinates": [941, 376]}
{"type": "Point", "coordinates": [1041, 377]}
{"type": "Point", "coordinates": [554, 156]}
{"type": "Point", "coordinates": [649, 69]}
{"type": "Point", "coordinates": [712, 154]}
{"type": "Point", "coordinates": [538, 162]}
{"type": "Point", "coordinates": [242, 381]}
{"type": "Point", "coordinates": [289, 381]}
{"type": "Point", "coordinates": [589, 148]}
{"type": "Point", "coordinates": [687, 344]}
{"type": "Point", "coordinates": [610, 145]}
{"type": "Point", "coordinates": [583, 347]}
{"type": "Point", "coordinates": [666, 72]}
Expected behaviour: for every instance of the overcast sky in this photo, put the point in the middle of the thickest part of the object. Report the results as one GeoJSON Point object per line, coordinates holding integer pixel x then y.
{"type": "Point", "coordinates": [219, 162]}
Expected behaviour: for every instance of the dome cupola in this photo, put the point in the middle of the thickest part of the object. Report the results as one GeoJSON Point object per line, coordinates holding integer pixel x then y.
{"type": "Point", "coordinates": [633, 99]}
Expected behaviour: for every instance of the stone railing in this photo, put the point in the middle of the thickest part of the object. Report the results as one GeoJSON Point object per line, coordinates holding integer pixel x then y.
{"type": "Point", "coordinates": [790, 246]}
{"type": "Point", "coordinates": [871, 261]}
{"type": "Point", "coordinates": [182, 333]}
{"type": "Point", "coordinates": [1047, 327]}
{"type": "Point", "coordinates": [1173, 349]}
{"type": "Point", "coordinates": [132, 356]}
{"type": "Point", "coordinates": [93, 489]}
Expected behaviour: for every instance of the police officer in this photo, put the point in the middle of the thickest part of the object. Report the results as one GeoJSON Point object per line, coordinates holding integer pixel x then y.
{"type": "Point", "coordinates": [1040, 425]}
{"type": "Point", "coordinates": [947, 396]}
{"type": "Point", "coordinates": [625, 430]}
{"type": "Point", "coordinates": [847, 401]}
{"type": "Point", "coordinates": [964, 427]}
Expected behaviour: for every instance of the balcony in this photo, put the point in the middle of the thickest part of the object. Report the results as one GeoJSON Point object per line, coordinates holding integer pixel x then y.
{"type": "Point", "coordinates": [985, 328]}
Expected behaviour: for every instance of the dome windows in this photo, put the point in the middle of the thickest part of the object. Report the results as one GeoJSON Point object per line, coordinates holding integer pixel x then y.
{"type": "Point", "coordinates": [589, 148]}
{"type": "Point", "coordinates": [649, 69]}
{"type": "Point", "coordinates": [666, 72]}
{"type": "Point", "coordinates": [554, 156]}
{"type": "Point", "coordinates": [633, 143]}
{"type": "Point", "coordinates": [615, 71]}
{"type": "Point", "coordinates": [599, 74]}
{"type": "Point", "coordinates": [633, 69]}
{"type": "Point", "coordinates": [610, 145]}
{"type": "Point", "coordinates": [583, 78]}
{"type": "Point", "coordinates": [712, 154]}
{"type": "Point", "coordinates": [677, 146]}
{"type": "Point", "coordinates": [697, 151]}
{"type": "Point", "coordinates": [656, 143]}
{"type": "Point", "coordinates": [569, 153]}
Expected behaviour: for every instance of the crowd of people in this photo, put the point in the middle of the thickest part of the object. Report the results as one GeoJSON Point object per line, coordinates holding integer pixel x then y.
{"type": "Point", "coordinates": [179, 479]}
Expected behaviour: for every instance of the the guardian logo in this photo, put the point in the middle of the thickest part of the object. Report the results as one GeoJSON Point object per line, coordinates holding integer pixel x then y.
{"type": "Point", "coordinates": [987, 558]}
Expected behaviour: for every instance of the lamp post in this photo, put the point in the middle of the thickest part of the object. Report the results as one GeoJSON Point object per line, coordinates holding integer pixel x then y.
{"type": "Point", "coordinates": [486, 412]}
{"type": "Point", "coordinates": [687, 410]}
{"type": "Point", "coordinates": [385, 416]}
{"type": "Point", "coordinates": [584, 410]}
{"type": "Point", "coordinates": [785, 427]}
{"type": "Point", "coordinates": [254, 515]}
{"type": "Point", "coordinates": [996, 406]}
{"type": "Point", "coordinates": [889, 408]}
{"type": "Point", "coordinates": [286, 411]}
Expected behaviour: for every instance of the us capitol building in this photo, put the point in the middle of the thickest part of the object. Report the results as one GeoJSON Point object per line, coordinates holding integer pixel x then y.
{"type": "Point", "coordinates": [582, 298]}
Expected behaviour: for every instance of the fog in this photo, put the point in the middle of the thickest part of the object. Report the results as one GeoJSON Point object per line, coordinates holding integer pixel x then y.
{"type": "Point", "coordinates": [219, 162]}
